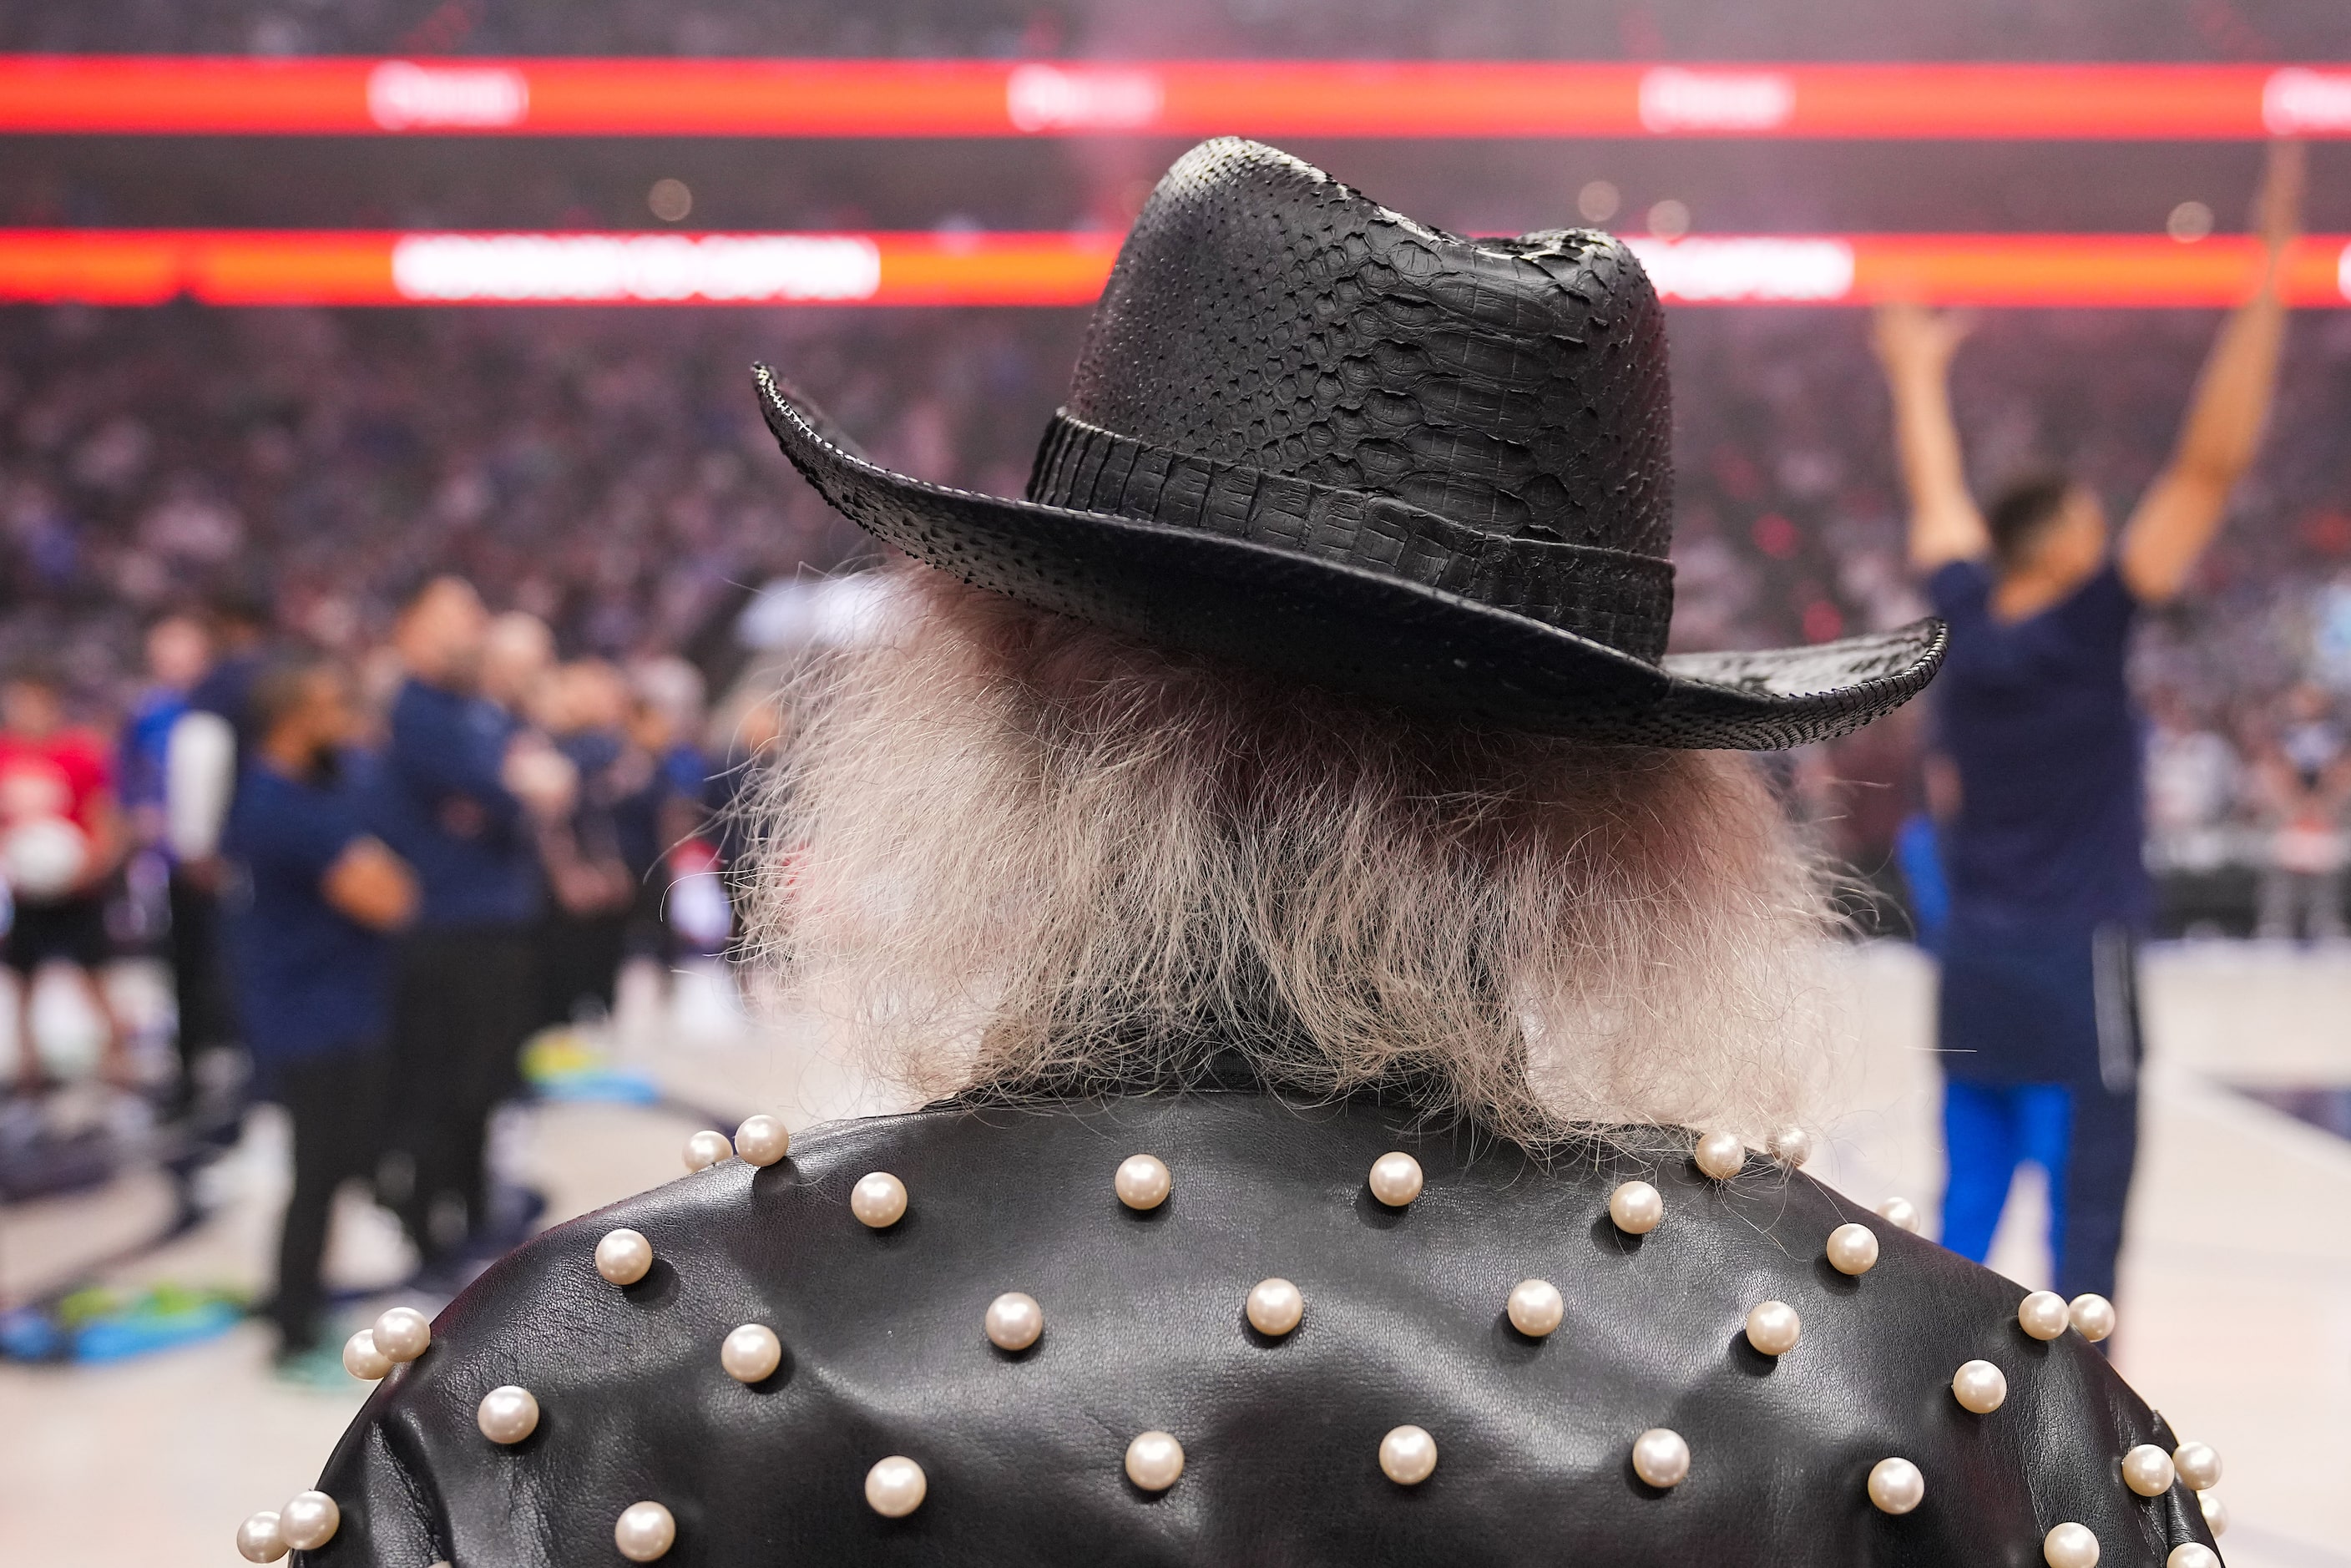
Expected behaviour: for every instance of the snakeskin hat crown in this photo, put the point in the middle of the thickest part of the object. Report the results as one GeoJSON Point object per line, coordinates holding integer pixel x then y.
{"type": "Point", "coordinates": [1312, 436]}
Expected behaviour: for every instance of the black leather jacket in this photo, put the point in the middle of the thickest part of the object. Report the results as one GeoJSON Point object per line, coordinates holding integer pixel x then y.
{"type": "Point", "coordinates": [1145, 1328]}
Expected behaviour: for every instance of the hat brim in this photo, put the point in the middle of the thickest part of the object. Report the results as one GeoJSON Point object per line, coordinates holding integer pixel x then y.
{"type": "Point", "coordinates": [1346, 627]}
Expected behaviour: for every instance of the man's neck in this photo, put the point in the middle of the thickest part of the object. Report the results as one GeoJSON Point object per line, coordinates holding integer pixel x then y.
{"type": "Point", "coordinates": [2021, 595]}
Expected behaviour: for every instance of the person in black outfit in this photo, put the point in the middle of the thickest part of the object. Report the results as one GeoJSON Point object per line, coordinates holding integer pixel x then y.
{"type": "Point", "coordinates": [462, 790]}
{"type": "Point", "coordinates": [314, 896]}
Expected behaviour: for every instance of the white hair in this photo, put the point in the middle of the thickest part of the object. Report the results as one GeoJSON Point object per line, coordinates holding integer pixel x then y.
{"type": "Point", "coordinates": [1011, 852]}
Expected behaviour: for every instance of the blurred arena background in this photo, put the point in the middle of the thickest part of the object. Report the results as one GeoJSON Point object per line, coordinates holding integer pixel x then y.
{"type": "Point", "coordinates": [286, 421]}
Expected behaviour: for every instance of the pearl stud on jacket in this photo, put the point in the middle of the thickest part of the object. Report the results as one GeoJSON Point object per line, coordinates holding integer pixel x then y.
{"type": "Point", "coordinates": [1853, 1249]}
{"type": "Point", "coordinates": [1979, 1387]}
{"type": "Point", "coordinates": [2192, 1554]}
{"type": "Point", "coordinates": [1535, 1308]}
{"type": "Point", "coordinates": [2197, 1464]}
{"type": "Point", "coordinates": [1274, 1307]}
{"type": "Point", "coordinates": [1721, 1155]}
{"type": "Point", "coordinates": [1660, 1458]}
{"type": "Point", "coordinates": [623, 1255]}
{"type": "Point", "coordinates": [1395, 1178]}
{"type": "Point", "coordinates": [1637, 1208]}
{"type": "Point", "coordinates": [308, 1521]}
{"type": "Point", "coordinates": [894, 1486]}
{"type": "Point", "coordinates": [2070, 1546]}
{"type": "Point", "coordinates": [1900, 1213]}
{"type": "Point", "coordinates": [1153, 1461]}
{"type": "Point", "coordinates": [706, 1149]}
{"type": "Point", "coordinates": [644, 1531]}
{"type": "Point", "coordinates": [2148, 1470]}
{"type": "Point", "coordinates": [1407, 1456]}
{"type": "Point", "coordinates": [879, 1200]}
{"type": "Point", "coordinates": [1143, 1181]}
{"type": "Point", "coordinates": [2093, 1316]}
{"type": "Point", "coordinates": [1773, 1328]}
{"type": "Point", "coordinates": [259, 1539]}
{"type": "Point", "coordinates": [1896, 1486]}
{"type": "Point", "coordinates": [751, 1354]}
{"type": "Point", "coordinates": [762, 1141]}
{"type": "Point", "coordinates": [362, 1360]}
{"type": "Point", "coordinates": [1792, 1146]}
{"type": "Point", "coordinates": [1013, 1321]}
{"type": "Point", "coordinates": [2043, 1315]}
{"type": "Point", "coordinates": [507, 1414]}
{"type": "Point", "coordinates": [2215, 1512]}
{"type": "Point", "coordinates": [403, 1333]}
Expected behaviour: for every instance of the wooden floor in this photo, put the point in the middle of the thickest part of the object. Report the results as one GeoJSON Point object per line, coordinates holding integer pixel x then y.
{"type": "Point", "coordinates": [2236, 1288]}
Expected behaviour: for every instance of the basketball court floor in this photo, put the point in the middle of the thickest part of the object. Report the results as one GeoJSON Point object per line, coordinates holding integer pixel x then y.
{"type": "Point", "coordinates": [2235, 1297]}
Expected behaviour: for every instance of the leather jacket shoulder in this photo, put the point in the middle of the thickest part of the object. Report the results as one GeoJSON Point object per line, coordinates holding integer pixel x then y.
{"type": "Point", "coordinates": [1145, 1328]}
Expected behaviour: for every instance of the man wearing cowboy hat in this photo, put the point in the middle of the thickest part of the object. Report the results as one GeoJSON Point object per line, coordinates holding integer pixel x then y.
{"type": "Point", "coordinates": [1345, 974]}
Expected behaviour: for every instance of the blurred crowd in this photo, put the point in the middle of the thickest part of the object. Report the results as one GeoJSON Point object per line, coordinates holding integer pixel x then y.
{"type": "Point", "coordinates": [605, 472]}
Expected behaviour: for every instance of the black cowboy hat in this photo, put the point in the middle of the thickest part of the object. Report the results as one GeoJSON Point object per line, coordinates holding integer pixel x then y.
{"type": "Point", "coordinates": [1312, 436]}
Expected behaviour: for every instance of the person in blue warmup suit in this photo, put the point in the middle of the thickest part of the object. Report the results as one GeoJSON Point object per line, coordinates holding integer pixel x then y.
{"type": "Point", "coordinates": [2048, 883]}
{"type": "Point", "coordinates": [314, 899]}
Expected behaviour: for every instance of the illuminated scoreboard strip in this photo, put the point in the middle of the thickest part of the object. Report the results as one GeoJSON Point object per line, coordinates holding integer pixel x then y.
{"type": "Point", "coordinates": [146, 267]}
{"type": "Point", "coordinates": [589, 97]}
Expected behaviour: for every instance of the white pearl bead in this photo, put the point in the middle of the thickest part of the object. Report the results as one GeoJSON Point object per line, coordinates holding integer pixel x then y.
{"type": "Point", "coordinates": [1721, 1155]}
{"type": "Point", "coordinates": [1853, 1249]}
{"type": "Point", "coordinates": [362, 1360]}
{"type": "Point", "coordinates": [644, 1531]}
{"type": "Point", "coordinates": [2198, 1465]}
{"type": "Point", "coordinates": [1896, 1486]}
{"type": "Point", "coordinates": [1774, 1327]}
{"type": "Point", "coordinates": [1660, 1458]}
{"type": "Point", "coordinates": [1143, 1181]}
{"type": "Point", "coordinates": [2093, 1316]}
{"type": "Point", "coordinates": [762, 1141]}
{"type": "Point", "coordinates": [1637, 1208]}
{"type": "Point", "coordinates": [1014, 1320]}
{"type": "Point", "coordinates": [2216, 1512]}
{"type": "Point", "coordinates": [751, 1354]}
{"type": "Point", "coordinates": [259, 1539]}
{"type": "Point", "coordinates": [403, 1333]}
{"type": "Point", "coordinates": [1395, 1178]}
{"type": "Point", "coordinates": [2043, 1315]}
{"type": "Point", "coordinates": [623, 1257]}
{"type": "Point", "coordinates": [2192, 1554]}
{"type": "Point", "coordinates": [1153, 1461]}
{"type": "Point", "coordinates": [308, 1521]}
{"type": "Point", "coordinates": [894, 1486]}
{"type": "Point", "coordinates": [1274, 1307]}
{"type": "Point", "coordinates": [1980, 1386]}
{"type": "Point", "coordinates": [2070, 1546]}
{"type": "Point", "coordinates": [1535, 1308]}
{"type": "Point", "coordinates": [1407, 1456]}
{"type": "Point", "coordinates": [507, 1414]}
{"type": "Point", "coordinates": [706, 1149]}
{"type": "Point", "coordinates": [2147, 1470]}
{"type": "Point", "coordinates": [1792, 1146]}
{"type": "Point", "coordinates": [878, 1200]}
{"type": "Point", "coordinates": [1900, 1213]}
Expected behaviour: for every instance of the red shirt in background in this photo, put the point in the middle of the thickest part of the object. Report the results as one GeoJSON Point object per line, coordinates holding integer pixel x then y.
{"type": "Point", "coordinates": [59, 775]}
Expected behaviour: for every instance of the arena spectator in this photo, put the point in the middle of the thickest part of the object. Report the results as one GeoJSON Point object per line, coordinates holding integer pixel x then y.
{"type": "Point", "coordinates": [317, 898]}
{"type": "Point", "coordinates": [2304, 781]}
{"type": "Point", "coordinates": [60, 839]}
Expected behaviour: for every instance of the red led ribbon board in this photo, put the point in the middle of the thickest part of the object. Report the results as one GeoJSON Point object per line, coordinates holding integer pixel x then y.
{"type": "Point", "coordinates": [266, 267]}
{"type": "Point", "coordinates": [586, 97]}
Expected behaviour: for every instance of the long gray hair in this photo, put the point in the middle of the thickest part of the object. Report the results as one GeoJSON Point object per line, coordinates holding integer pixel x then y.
{"type": "Point", "coordinates": [1011, 852]}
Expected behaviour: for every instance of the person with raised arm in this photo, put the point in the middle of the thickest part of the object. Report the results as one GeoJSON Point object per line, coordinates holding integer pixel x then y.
{"type": "Point", "coordinates": [2036, 729]}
